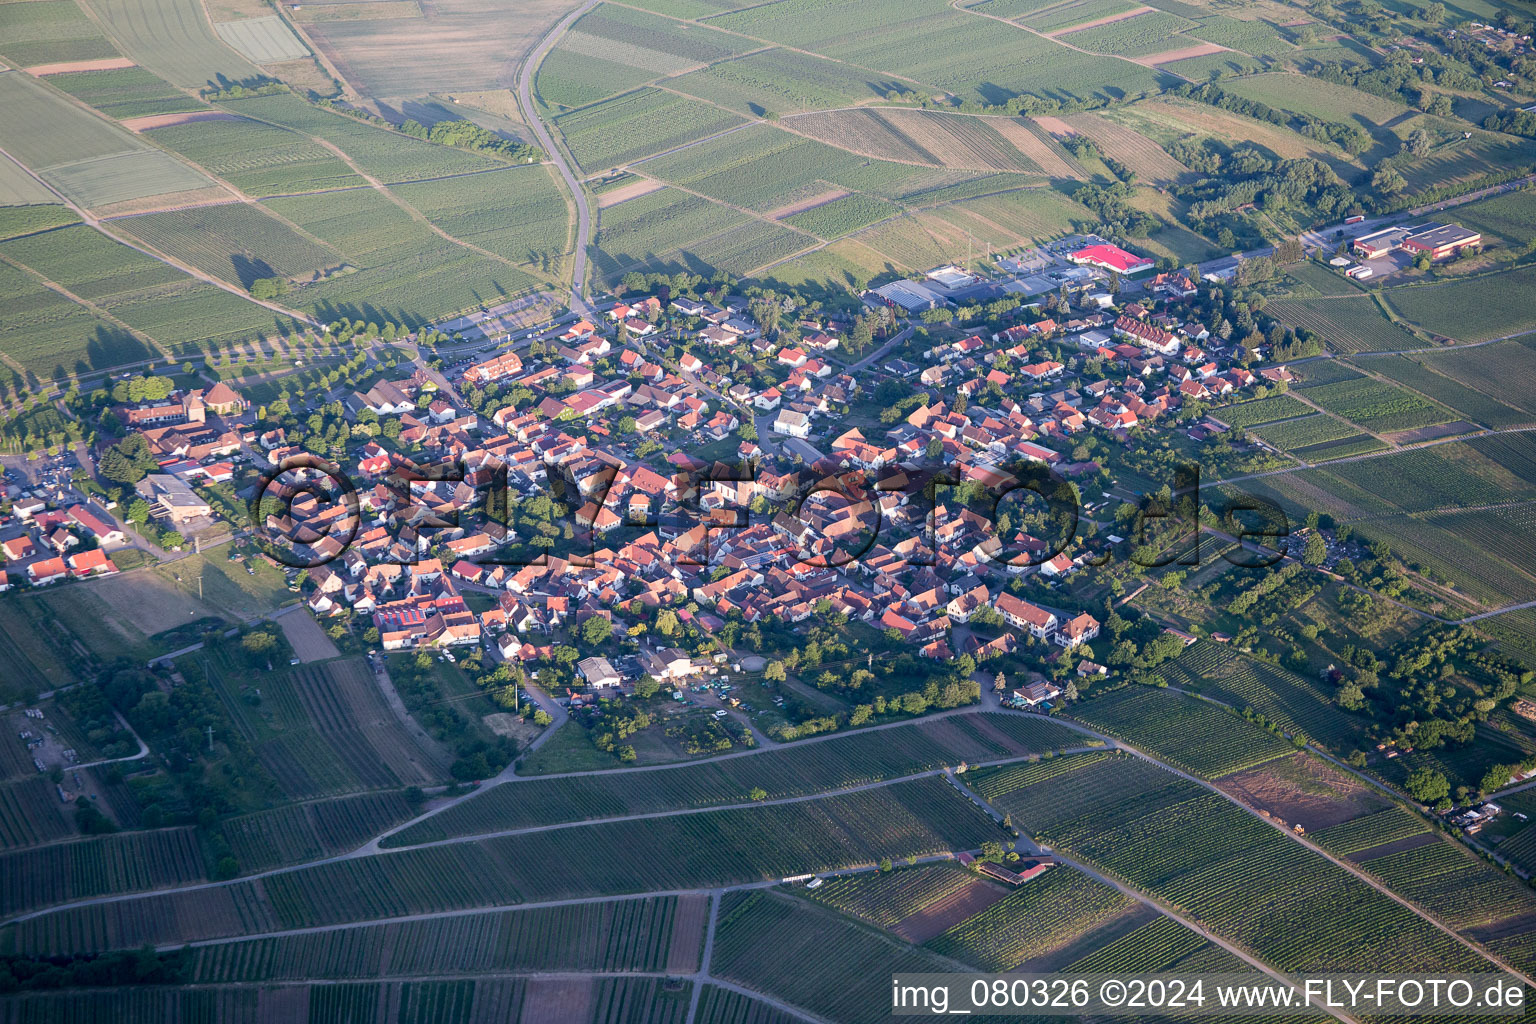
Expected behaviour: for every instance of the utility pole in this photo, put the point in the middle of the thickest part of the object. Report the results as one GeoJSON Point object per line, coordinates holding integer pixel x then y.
{"type": "Point", "coordinates": [210, 739]}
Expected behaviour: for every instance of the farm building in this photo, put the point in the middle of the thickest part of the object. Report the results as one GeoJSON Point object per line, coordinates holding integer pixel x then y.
{"type": "Point", "coordinates": [1111, 257]}
{"type": "Point", "coordinates": [1380, 243]}
{"type": "Point", "coordinates": [909, 295]}
{"type": "Point", "coordinates": [1441, 241]}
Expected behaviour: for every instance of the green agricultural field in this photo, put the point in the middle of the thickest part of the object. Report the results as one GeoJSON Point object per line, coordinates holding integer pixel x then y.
{"type": "Point", "coordinates": [20, 189]}
{"type": "Point", "coordinates": [47, 334]}
{"type": "Point", "coordinates": [389, 156]}
{"type": "Point", "coordinates": [833, 268]}
{"type": "Point", "coordinates": [133, 861]}
{"type": "Point", "coordinates": [405, 272]}
{"type": "Point", "coordinates": [236, 242]}
{"type": "Point", "coordinates": [843, 216]}
{"type": "Point", "coordinates": [308, 831]}
{"type": "Point", "coordinates": [90, 160]}
{"type": "Point", "coordinates": [783, 81]}
{"type": "Point", "coordinates": [1212, 66]}
{"type": "Point", "coordinates": [266, 40]}
{"type": "Point", "coordinates": [656, 227]}
{"type": "Point", "coordinates": [1476, 405]}
{"type": "Point", "coordinates": [125, 93]}
{"type": "Point", "coordinates": [1302, 94]}
{"type": "Point", "coordinates": [170, 307]}
{"type": "Point", "coordinates": [1308, 430]}
{"type": "Point", "coordinates": [759, 932]}
{"type": "Point", "coordinates": [699, 850]}
{"type": "Point", "coordinates": [1377, 406]}
{"type": "Point", "coordinates": [49, 32]}
{"type": "Point", "coordinates": [1190, 734]}
{"type": "Point", "coordinates": [1263, 410]}
{"type": "Point", "coordinates": [796, 770]}
{"type": "Point", "coordinates": [1292, 701]}
{"type": "Point", "coordinates": [1349, 324]}
{"type": "Point", "coordinates": [637, 124]}
{"type": "Point", "coordinates": [1042, 916]}
{"type": "Point", "coordinates": [1507, 221]}
{"type": "Point", "coordinates": [26, 220]}
{"type": "Point", "coordinates": [174, 39]}
{"type": "Point", "coordinates": [1141, 36]}
{"type": "Point", "coordinates": [1474, 309]}
{"type": "Point", "coordinates": [650, 934]}
{"type": "Point", "coordinates": [1236, 873]}
{"type": "Point", "coordinates": [763, 168]}
{"type": "Point", "coordinates": [931, 43]}
{"type": "Point", "coordinates": [1505, 370]}
{"type": "Point", "coordinates": [518, 213]}
{"type": "Point", "coordinates": [567, 80]}
{"type": "Point", "coordinates": [259, 159]}
{"type": "Point", "coordinates": [1054, 17]}
{"type": "Point", "coordinates": [1255, 38]}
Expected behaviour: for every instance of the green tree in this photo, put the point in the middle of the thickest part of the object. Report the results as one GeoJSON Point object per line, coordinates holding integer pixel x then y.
{"type": "Point", "coordinates": [1316, 550]}
{"type": "Point", "coordinates": [596, 631]}
{"type": "Point", "coordinates": [1427, 786]}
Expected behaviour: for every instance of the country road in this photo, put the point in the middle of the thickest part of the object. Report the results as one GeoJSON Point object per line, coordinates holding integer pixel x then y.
{"type": "Point", "coordinates": [531, 115]}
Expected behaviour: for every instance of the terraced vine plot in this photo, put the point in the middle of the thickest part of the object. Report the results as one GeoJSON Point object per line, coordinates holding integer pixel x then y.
{"type": "Point", "coordinates": [1476, 405]}
{"type": "Point", "coordinates": [1262, 410]}
{"type": "Point", "coordinates": [406, 273]}
{"type": "Point", "coordinates": [1291, 701]}
{"type": "Point", "coordinates": [759, 932]}
{"type": "Point", "coordinates": [1475, 309]}
{"type": "Point", "coordinates": [1453, 884]}
{"type": "Point", "coordinates": [778, 81]}
{"type": "Point", "coordinates": [389, 156]}
{"type": "Point", "coordinates": [237, 242]}
{"type": "Point", "coordinates": [1039, 917]}
{"type": "Point", "coordinates": [1507, 368]}
{"type": "Point", "coordinates": [29, 811]}
{"type": "Point", "coordinates": [884, 899]}
{"type": "Point", "coordinates": [49, 32]}
{"type": "Point", "coordinates": [518, 213]}
{"type": "Point", "coordinates": [1307, 430]}
{"type": "Point", "coordinates": [1155, 946]}
{"type": "Point", "coordinates": [1145, 34]}
{"type": "Point", "coordinates": [843, 216]}
{"type": "Point", "coordinates": [796, 770]}
{"type": "Point", "coordinates": [1377, 406]}
{"type": "Point", "coordinates": [258, 158]}
{"type": "Point", "coordinates": [1348, 324]}
{"type": "Point", "coordinates": [660, 933]}
{"type": "Point", "coordinates": [688, 851]}
{"type": "Point", "coordinates": [299, 832]}
{"type": "Point", "coordinates": [125, 92]}
{"type": "Point", "coordinates": [1451, 547]}
{"type": "Point", "coordinates": [638, 124]}
{"type": "Point", "coordinates": [1189, 733]}
{"type": "Point", "coordinates": [128, 862]}
{"type": "Point", "coordinates": [1359, 835]}
{"type": "Point", "coordinates": [1242, 877]}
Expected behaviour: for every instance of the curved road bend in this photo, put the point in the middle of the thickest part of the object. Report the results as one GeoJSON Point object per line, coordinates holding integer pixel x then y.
{"type": "Point", "coordinates": [525, 99]}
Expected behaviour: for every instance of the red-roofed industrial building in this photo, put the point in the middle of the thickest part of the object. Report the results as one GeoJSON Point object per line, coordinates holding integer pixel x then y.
{"type": "Point", "coordinates": [1112, 257]}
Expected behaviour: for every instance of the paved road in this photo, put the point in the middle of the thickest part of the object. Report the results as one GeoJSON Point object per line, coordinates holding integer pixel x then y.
{"type": "Point", "coordinates": [531, 115]}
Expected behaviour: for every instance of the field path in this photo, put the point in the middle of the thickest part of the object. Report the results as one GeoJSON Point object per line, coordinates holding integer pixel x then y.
{"type": "Point", "coordinates": [541, 132]}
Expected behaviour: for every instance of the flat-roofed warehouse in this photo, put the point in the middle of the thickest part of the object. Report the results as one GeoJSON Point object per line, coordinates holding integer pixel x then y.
{"type": "Point", "coordinates": [1379, 243]}
{"type": "Point", "coordinates": [1442, 240]}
